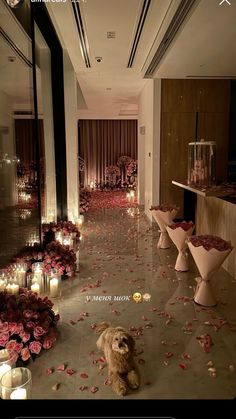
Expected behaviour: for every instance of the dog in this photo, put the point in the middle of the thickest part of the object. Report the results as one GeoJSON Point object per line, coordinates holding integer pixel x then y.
{"type": "Point", "coordinates": [118, 348]}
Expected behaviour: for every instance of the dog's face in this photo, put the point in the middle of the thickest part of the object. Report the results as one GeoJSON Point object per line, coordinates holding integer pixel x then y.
{"type": "Point", "coordinates": [122, 342]}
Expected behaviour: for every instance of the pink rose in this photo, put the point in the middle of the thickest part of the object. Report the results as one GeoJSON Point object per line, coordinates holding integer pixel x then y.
{"type": "Point", "coordinates": [30, 325]}
{"type": "Point", "coordinates": [18, 347]}
{"type": "Point", "coordinates": [20, 328]}
{"type": "Point", "coordinates": [38, 332]}
{"type": "Point", "coordinates": [10, 346]}
{"type": "Point", "coordinates": [4, 339]}
{"type": "Point", "coordinates": [47, 343]}
{"type": "Point", "coordinates": [25, 354]}
{"type": "Point", "coordinates": [25, 336]}
{"type": "Point", "coordinates": [12, 328]}
{"type": "Point", "coordinates": [4, 327]}
{"type": "Point", "coordinates": [28, 314]}
{"type": "Point", "coordinates": [35, 347]}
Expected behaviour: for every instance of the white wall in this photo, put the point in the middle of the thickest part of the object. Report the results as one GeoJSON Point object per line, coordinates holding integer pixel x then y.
{"type": "Point", "coordinates": [149, 144]}
{"type": "Point", "coordinates": [70, 89]}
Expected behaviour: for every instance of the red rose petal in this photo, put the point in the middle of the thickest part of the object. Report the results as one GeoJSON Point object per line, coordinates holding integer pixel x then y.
{"type": "Point", "coordinates": [94, 389]}
{"type": "Point", "coordinates": [49, 370]}
{"type": "Point", "coordinates": [83, 388]}
{"type": "Point", "coordinates": [70, 371]}
{"type": "Point", "coordinates": [169, 354]}
{"type": "Point", "coordinates": [83, 375]}
{"type": "Point", "coordinates": [107, 382]}
{"type": "Point", "coordinates": [183, 366]}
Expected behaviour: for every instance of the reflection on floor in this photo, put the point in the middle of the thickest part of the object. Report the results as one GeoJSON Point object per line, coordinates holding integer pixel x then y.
{"type": "Point", "coordinates": [18, 227]}
{"type": "Point", "coordinates": [119, 255]}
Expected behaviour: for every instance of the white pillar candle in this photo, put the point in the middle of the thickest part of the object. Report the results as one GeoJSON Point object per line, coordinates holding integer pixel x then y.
{"type": "Point", "coordinates": [37, 275]}
{"type": "Point", "coordinates": [15, 289]}
{"type": "Point", "coordinates": [19, 394]}
{"type": "Point", "coordinates": [3, 369]}
{"type": "Point", "coordinates": [2, 285]}
{"type": "Point", "coordinates": [8, 288]}
{"type": "Point", "coordinates": [35, 287]}
{"type": "Point", "coordinates": [53, 287]}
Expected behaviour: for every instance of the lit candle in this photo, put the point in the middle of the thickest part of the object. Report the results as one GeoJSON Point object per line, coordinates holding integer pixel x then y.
{"type": "Point", "coordinates": [21, 277]}
{"type": "Point", "coordinates": [15, 289]}
{"type": "Point", "coordinates": [37, 275]}
{"type": "Point", "coordinates": [128, 196]}
{"type": "Point", "coordinates": [20, 393]}
{"type": "Point", "coordinates": [53, 286]}
{"type": "Point", "coordinates": [2, 284]}
{"type": "Point", "coordinates": [8, 288]}
{"type": "Point", "coordinates": [3, 369]}
{"type": "Point", "coordinates": [35, 287]}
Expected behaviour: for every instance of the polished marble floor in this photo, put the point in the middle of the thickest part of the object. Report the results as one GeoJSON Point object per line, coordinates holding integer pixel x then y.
{"type": "Point", "coordinates": [118, 257]}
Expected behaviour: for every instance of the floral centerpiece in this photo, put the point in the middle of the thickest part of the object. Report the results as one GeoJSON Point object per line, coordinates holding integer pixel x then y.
{"type": "Point", "coordinates": [112, 172]}
{"type": "Point", "coordinates": [132, 168]}
{"type": "Point", "coordinates": [65, 227]}
{"type": "Point", "coordinates": [60, 258]}
{"type": "Point", "coordinates": [28, 324]}
{"type": "Point", "coordinates": [124, 161]}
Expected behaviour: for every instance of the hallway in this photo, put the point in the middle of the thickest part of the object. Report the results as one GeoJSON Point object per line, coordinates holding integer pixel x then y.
{"type": "Point", "coordinates": [119, 257]}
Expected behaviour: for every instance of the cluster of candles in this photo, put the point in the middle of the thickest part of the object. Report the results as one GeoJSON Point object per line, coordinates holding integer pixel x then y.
{"type": "Point", "coordinates": [130, 196]}
{"type": "Point", "coordinates": [33, 238]}
{"type": "Point", "coordinates": [15, 383]}
{"type": "Point", "coordinates": [24, 214]}
{"type": "Point", "coordinates": [23, 196]}
{"type": "Point", "coordinates": [37, 281]}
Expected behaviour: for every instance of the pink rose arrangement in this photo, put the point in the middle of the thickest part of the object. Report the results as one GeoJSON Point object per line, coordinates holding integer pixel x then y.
{"type": "Point", "coordinates": [28, 324]}
{"type": "Point", "coordinates": [65, 227]}
{"type": "Point", "coordinates": [210, 242]}
{"type": "Point", "coordinates": [164, 207]}
{"type": "Point", "coordinates": [59, 257]}
{"type": "Point", "coordinates": [112, 171]}
{"type": "Point", "coordinates": [183, 224]}
{"type": "Point", "coordinates": [132, 168]}
{"type": "Point", "coordinates": [124, 161]}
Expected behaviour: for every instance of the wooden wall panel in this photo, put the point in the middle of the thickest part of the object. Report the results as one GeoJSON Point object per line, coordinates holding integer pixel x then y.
{"type": "Point", "coordinates": [173, 195]}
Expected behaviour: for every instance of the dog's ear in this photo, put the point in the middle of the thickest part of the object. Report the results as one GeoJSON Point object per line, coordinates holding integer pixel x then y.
{"type": "Point", "coordinates": [131, 342]}
{"type": "Point", "coordinates": [101, 327]}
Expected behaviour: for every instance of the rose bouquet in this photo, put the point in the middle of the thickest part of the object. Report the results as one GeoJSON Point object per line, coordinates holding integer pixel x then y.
{"type": "Point", "coordinates": [124, 161]}
{"type": "Point", "coordinates": [164, 215]}
{"type": "Point", "coordinates": [209, 252]}
{"type": "Point", "coordinates": [178, 233]}
{"type": "Point", "coordinates": [112, 171]}
{"type": "Point", "coordinates": [60, 258]}
{"type": "Point", "coordinates": [65, 227]}
{"type": "Point", "coordinates": [28, 324]}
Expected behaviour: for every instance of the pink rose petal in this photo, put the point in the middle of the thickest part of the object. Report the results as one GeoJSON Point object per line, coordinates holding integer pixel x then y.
{"type": "Point", "coordinates": [183, 366]}
{"type": "Point", "coordinates": [49, 371]}
{"type": "Point", "coordinates": [94, 389]}
{"type": "Point", "coordinates": [61, 367]}
{"type": "Point", "coordinates": [169, 354]}
{"type": "Point", "coordinates": [83, 388]}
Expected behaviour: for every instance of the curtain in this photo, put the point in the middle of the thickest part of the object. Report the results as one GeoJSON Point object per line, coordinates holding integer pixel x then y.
{"type": "Point", "coordinates": [102, 142]}
{"type": "Point", "coordinates": [25, 141]}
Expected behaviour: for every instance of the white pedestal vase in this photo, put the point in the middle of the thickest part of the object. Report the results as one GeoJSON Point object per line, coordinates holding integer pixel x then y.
{"type": "Point", "coordinates": [208, 260]}
{"type": "Point", "coordinates": [164, 217]}
{"type": "Point", "coordinates": [178, 233]}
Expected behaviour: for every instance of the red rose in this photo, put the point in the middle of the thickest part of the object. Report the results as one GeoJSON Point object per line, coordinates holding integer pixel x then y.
{"type": "Point", "coordinates": [28, 314]}
{"type": "Point", "coordinates": [18, 347]}
{"type": "Point", "coordinates": [35, 347]}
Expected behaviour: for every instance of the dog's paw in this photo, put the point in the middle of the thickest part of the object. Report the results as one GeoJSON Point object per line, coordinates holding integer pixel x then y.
{"type": "Point", "coordinates": [133, 379]}
{"type": "Point", "coordinates": [119, 386]}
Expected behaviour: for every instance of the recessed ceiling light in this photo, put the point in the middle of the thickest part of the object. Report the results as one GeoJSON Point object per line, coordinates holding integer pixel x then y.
{"type": "Point", "coordinates": [11, 58]}
{"type": "Point", "coordinates": [111, 35]}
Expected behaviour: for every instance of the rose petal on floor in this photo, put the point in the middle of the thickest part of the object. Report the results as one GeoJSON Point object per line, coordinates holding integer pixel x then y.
{"type": "Point", "coordinates": [49, 371]}
{"type": "Point", "coordinates": [94, 389]}
{"type": "Point", "coordinates": [83, 375]}
{"type": "Point", "coordinates": [56, 386]}
{"type": "Point", "coordinates": [70, 371]}
{"type": "Point", "coordinates": [61, 367]}
{"type": "Point", "coordinates": [183, 366]}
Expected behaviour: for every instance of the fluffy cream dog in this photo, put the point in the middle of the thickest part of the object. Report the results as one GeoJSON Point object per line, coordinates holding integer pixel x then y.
{"type": "Point", "coordinates": [118, 348]}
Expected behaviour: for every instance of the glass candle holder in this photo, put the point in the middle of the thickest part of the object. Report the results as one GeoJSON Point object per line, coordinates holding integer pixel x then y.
{"type": "Point", "coordinates": [16, 384]}
{"type": "Point", "coordinates": [7, 362]}
{"type": "Point", "coordinates": [55, 286]}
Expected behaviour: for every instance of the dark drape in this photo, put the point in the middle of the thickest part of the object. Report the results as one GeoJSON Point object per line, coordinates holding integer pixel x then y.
{"type": "Point", "coordinates": [25, 141]}
{"type": "Point", "coordinates": [102, 142]}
